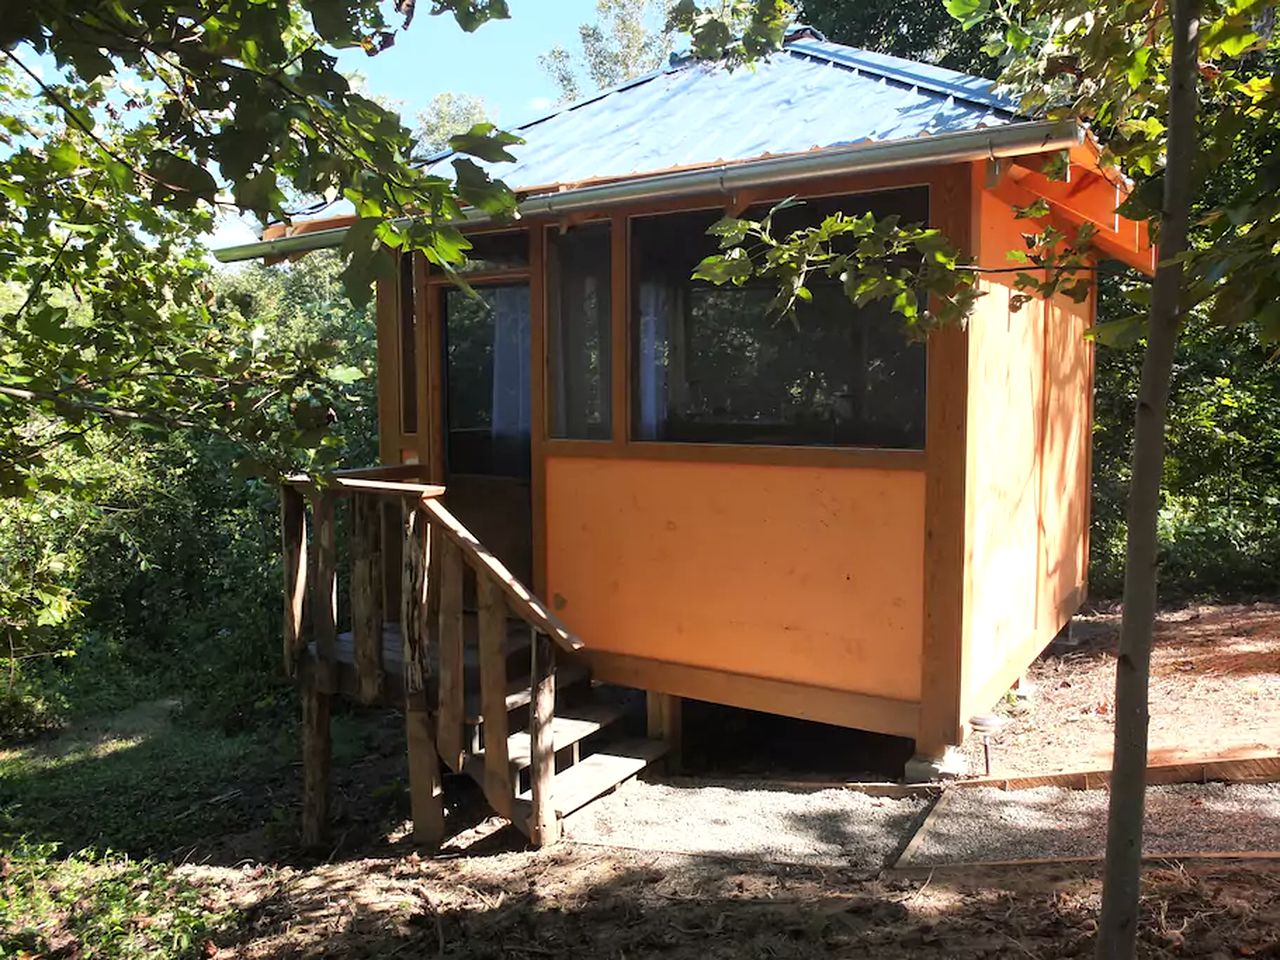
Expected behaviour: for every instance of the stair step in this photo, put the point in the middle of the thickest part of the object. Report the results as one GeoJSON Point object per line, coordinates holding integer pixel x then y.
{"type": "Point", "coordinates": [599, 773]}
{"type": "Point", "coordinates": [575, 725]}
{"type": "Point", "coordinates": [519, 694]}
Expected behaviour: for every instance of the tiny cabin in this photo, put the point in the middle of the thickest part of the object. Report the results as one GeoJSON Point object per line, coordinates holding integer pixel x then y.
{"type": "Point", "coordinates": [680, 494]}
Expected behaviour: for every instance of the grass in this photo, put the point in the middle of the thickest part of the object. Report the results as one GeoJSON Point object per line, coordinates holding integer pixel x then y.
{"type": "Point", "coordinates": [100, 905]}
{"type": "Point", "coordinates": [96, 823]}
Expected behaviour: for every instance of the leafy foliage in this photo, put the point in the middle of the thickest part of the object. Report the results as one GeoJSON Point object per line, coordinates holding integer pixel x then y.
{"type": "Point", "coordinates": [911, 266]}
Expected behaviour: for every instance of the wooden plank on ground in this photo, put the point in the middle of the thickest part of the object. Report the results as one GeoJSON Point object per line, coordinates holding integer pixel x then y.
{"type": "Point", "coordinates": [544, 825]}
{"type": "Point", "coordinates": [366, 598]}
{"type": "Point", "coordinates": [293, 536]}
{"type": "Point", "coordinates": [493, 694]}
{"type": "Point", "coordinates": [926, 826]}
{"type": "Point", "coordinates": [1234, 766]}
{"type": "Point", "coordinates": [451, 689]}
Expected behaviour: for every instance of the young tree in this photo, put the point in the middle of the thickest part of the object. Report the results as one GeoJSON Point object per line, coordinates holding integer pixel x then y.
{"type": "Point", "coordinates": [628, 39]}
{"type": "Point", "coordinates": [1137, 73]}
{"type": "Point", "coordinates": [448, 115]}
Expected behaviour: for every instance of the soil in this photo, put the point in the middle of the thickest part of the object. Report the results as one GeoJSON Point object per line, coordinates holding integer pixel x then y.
{"type": "Point", "coordinates": [1215, 688]}
{"type": "Point", "coordinates": [572, 901]}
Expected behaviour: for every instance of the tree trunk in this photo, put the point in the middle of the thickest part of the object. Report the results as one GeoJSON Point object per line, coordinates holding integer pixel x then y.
{"type": "Point", "coordinates": [1118, 929]}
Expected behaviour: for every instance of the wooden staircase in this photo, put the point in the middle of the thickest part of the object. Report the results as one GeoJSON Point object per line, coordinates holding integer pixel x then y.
{"type": "Point", "coordinates": [491, 682]}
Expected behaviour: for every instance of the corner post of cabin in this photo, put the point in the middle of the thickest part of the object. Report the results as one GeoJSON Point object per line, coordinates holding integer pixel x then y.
{"type": "Point", "coordinates": [940, 727]}
{"type": "Point", "coordinates": [426, 796]}
{"type": "Point", "coordinates": [318, 685]}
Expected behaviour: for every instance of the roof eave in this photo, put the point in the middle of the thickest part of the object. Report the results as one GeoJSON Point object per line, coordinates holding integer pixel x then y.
{"type": "Point", "coordinates": [1008, 140]}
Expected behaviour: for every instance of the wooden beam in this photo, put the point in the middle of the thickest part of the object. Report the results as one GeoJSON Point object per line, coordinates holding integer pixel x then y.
{"type": "Point", "coordinates": [544, 825]}
{"type": "Point", "coordinates": [450, 690]}
{"type": "Point", "coordinates": [293, 535]}
{"type": "Point", "coordinates": [366, 598]}
{"type": "Point", "coordinates": [498, 788]}
{"type": "Point", "coordinates": [839, 707]}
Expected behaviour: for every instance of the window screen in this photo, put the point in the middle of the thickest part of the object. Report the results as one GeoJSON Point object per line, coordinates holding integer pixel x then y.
{"type": "Point", "coordinates": [579, 333]}
{"type": "Point", "coordinates": [487, 380]}
{"type": "Point", "coordinates": [710, 365]}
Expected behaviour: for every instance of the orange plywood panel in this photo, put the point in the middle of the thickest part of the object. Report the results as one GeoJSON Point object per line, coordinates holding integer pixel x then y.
{"type": "Point", "coordinates": [806, 574]}
{"type": "Point", "coordinates": [1027, 483]}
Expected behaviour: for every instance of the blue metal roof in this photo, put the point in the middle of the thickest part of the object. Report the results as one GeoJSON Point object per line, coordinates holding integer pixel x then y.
{"type": "Point", "coordinates": [810, 95]}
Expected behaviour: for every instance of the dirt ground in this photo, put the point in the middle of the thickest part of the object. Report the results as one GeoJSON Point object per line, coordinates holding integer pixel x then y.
{"type": "Point", "coordinates": [1215, 687]}
{"type": "Point", "coordinates": [573, 901]}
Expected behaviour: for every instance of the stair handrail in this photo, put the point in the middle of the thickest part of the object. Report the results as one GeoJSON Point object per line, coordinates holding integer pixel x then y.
{"type": "Point", "coordinates": [524, 603]}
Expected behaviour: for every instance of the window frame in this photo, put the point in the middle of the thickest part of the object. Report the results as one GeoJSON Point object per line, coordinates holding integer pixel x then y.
{"type": "Point", "coordinates": [779, 453]}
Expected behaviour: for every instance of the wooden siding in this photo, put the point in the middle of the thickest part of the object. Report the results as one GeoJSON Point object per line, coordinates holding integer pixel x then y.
{"type": "Point", "coordinates": [803, 574]}
{"type": "Point", "coordinates": [1027, 469]}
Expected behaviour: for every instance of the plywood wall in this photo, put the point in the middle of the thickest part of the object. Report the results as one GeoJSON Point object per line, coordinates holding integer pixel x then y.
{"type": "Point", "coordinates": [804, 574]}
{"type": "Point", "coordinates": [1027, 468]}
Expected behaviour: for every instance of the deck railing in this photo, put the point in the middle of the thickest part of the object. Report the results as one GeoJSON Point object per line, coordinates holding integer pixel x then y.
{"type": "Point", "coordinates": [431, 551]}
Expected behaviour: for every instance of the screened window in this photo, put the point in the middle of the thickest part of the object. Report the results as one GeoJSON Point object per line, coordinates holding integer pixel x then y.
{"type": "Point", "coordinates": [487, 389]}
{"type": "Point", "coordinates": [497, 251]}
{"type": "Point", "coordinates": [710, 365]}
{"type": "Point", "coordinates": [579, 333]}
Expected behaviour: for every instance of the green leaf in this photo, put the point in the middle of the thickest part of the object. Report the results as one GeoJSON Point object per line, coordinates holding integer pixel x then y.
{"type": "Point", "coordinates": [486, 142]}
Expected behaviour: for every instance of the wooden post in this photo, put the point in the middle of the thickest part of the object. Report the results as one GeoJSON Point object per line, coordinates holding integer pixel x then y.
{"type": "Point", "coordinates": [293, 536]}
{"type": "Point", "coordinates": [493, 694]}
{"type": "Point", "coordinates": [366, 597]}
{"type": "Point", "coordinates": [324, 596]}
{"type": "Point", "coordinates": [544, 827]}
{"type": "Point", "coordinates": [318, 686]}
{"type": "Point", "coordinates": [426, 795]}
{"type": "Point", "coordinates": [415, 558]}
{"type": "Point", "coordinates": [316, 752]}
{"type": "Point", "coordinates": [450, 689]}
{"type": "Point", "coordinates": [392, 546]}
{"type": "Point", "coordinates": [665, 724]}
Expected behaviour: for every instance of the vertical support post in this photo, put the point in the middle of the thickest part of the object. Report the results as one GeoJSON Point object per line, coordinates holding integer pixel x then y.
{"type": "Point", "coordinates": [664, 716]}
{"type": "Point", "coordinates": [426, 794]}
{"type": "Point", "coordinates": [450, 688]}
{"type": "Point", "coordinates": [366, 597]}
{"type": "Point", "coordinates": [392, 550]}
{"type": "Point", "coordinates": [544, 826]}
{"type": "Point", "coordinates": [318, 687]}
{"type": "Point", "coordinates": [316, 753]}
{"type": "Point", "coordinates": [493, 694]}
{"type": "Point", "coordinates": [414, 583]}
{"type": "Point", "coordinates": [293, 537]}
{"type": "Point", "coordinates": [426, 797]}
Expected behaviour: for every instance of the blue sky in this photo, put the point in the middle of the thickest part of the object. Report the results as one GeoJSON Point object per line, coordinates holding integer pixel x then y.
{"type": "Point", "coordinates": [498, 62]}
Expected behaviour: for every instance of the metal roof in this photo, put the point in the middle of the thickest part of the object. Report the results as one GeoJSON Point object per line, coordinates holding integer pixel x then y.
{"type": "Point", "coordinates": [811, 95]}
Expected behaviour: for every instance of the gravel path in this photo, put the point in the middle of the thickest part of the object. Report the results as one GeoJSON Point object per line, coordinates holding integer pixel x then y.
{"type": "Point", "coordinates": [828, 828]}
{"type": "Point", "coordinates": [975, 825]}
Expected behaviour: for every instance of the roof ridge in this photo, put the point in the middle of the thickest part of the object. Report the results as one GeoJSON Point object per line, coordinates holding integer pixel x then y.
{"type": "Point", "coordinates": [851, 58]}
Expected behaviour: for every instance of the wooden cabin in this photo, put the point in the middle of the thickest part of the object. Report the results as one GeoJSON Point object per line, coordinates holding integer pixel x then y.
{"type": "Point", "coordinates": [677, 493]}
